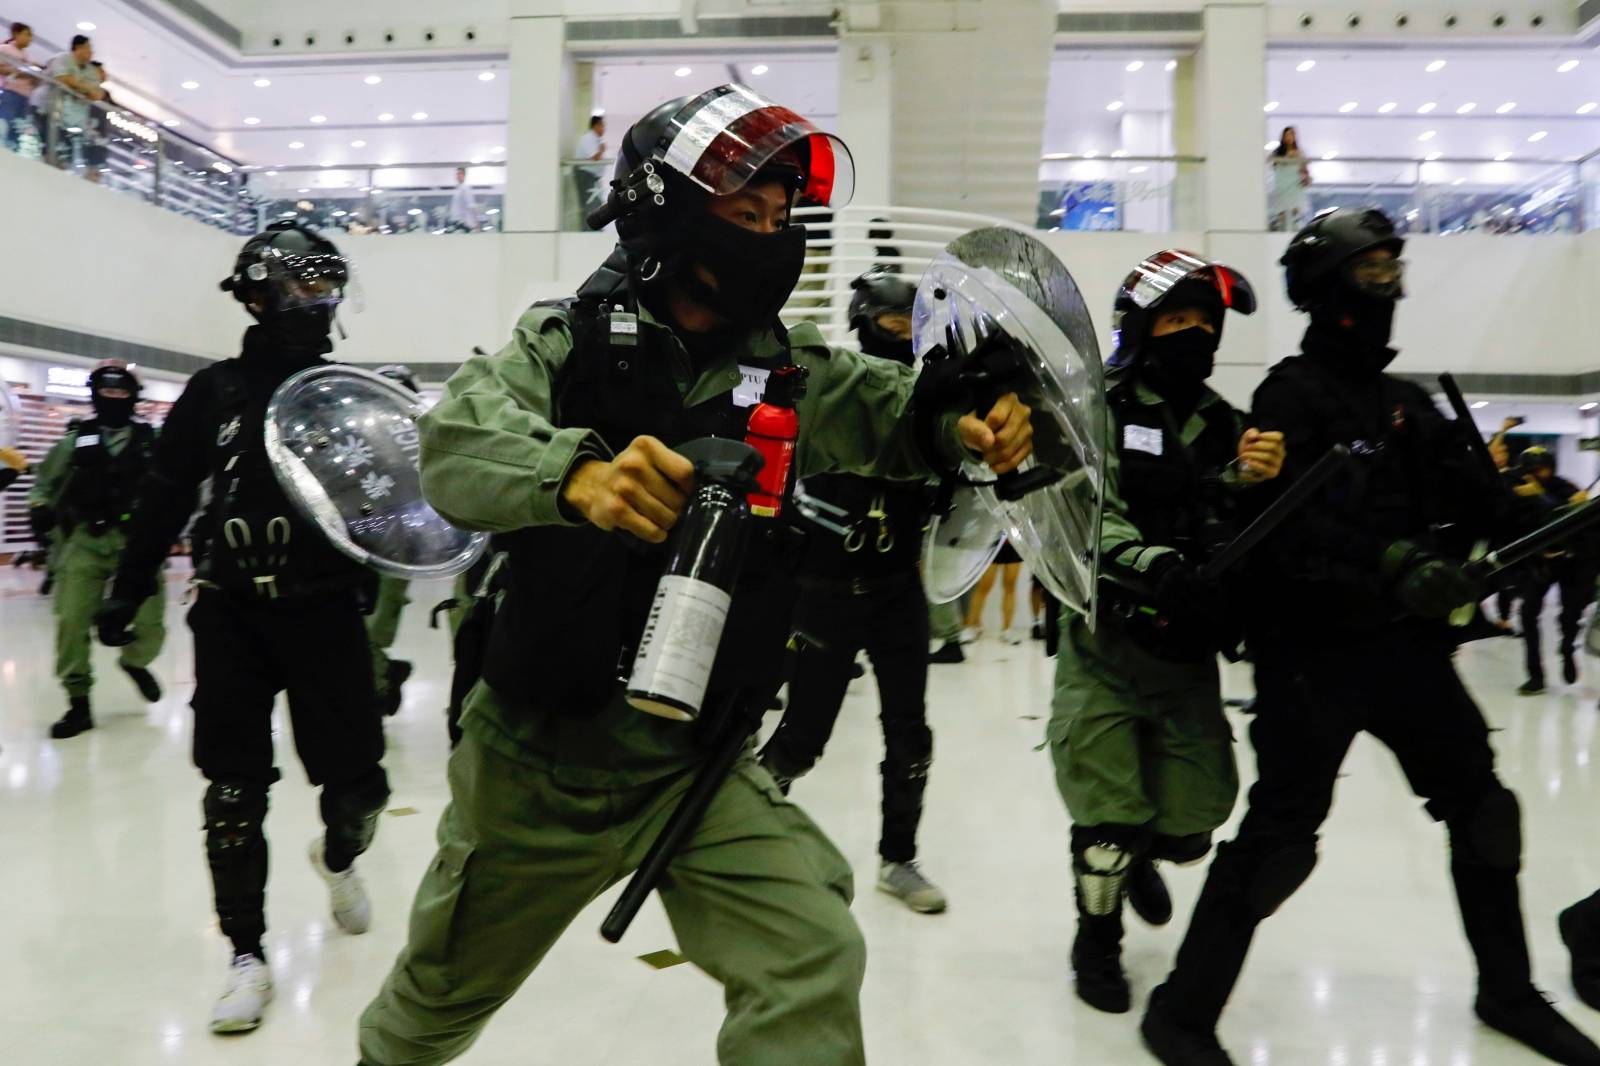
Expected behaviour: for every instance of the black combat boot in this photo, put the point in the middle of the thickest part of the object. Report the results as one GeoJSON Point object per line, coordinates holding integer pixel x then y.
{"type": "Point", "coordinates": [1569, 666]}
{"type": "Point", "coordinates": [1176, 1042]}
{"type": "Point", "coordinates": [395, 677]}
{"type": "Point", "coordinates": [76, 720]}
{"type": "Point", "coordinates": [1097, 961]}
{"type": "Point", "coordinates": [1580, 931]}
{"type": "Point", "coordinates": [1526, 1016]}
{"type": "Point", "coordinates": [1147, 893]}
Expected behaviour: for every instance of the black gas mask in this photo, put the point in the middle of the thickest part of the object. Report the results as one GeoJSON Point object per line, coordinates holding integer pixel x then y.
{"type": "Point", "coordinates": [754, 272]}
{"type": "Point", "coordinates": [113, 393]}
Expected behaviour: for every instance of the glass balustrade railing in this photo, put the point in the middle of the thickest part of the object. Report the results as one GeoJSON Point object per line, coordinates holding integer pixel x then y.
{"type": "Point", "coordinates": [1140, 194]}
{"type": "Point", "coordinates": [120, 149]}
{"type": "Point", "coordinates": [1444, 196]}
{"type": "Point", "coordinates": [397, 198]}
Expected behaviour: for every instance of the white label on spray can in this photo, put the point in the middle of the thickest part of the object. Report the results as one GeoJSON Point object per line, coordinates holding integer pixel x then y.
{"type": "Point", "coordinates": [679, 643]}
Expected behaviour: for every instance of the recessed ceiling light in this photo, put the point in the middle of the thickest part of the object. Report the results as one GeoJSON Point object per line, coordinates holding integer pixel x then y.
{"type": "Point", "coordinates": [1120, 153]}
{"type": "Point", "coordinates": [1502, 157]}
{"type": "Point", "coordinates": [302, 191]}
{"type": "Point", "coordinates": [1270, 106]}
{"type": "Point", "coordinates": [498, 149]}
{"type": "Point", "coordinates": [1586, 108]}
{"type": "Point", "coordinates": [1384, 109]}
{"type": "Point", "coordinates": [86, 27]}
{"type": "Point", "coordinates": [252, 121]}
{"type": "Point", "coordinates": [414, 211]}
{"type": "Point", "coordinates": [1330, 155]}
{"type": "Point", "coordinates": [1271, 146]}
{"type": "Point", "coordinates": [272, 173]}
{"type": "Point", "coordinates": [1134, 67]}
{"type": "Point", "coordinates": [295, 146]}
{"type": "Point", "coordinates": [191, 85]}
{"type": "Point", "coordinates": [1459, 181]}
{"type": "Point", "coordinates": [419, 116]}
{"type": "Point", "coordinates": [1093, 153]}
{"type": "Point", "coordinates": [487, 75]}
{"type": "Point", "coordinates": [1427, 135]}
{"type": "Point", "coordinates": [1435, 67]}
{"type": "Point", "coordinates": [1431, 156]}
{"type": "Point", "coordinates": [759, 69]}
{"type": "Point", "coordinates": [317, 120]}
{"type": "Point", "coordinates": [386, 117]}
{"type": "Point", "coordinates": [476, 160]}
{"type": "Point", "coordinates": [326, 163]}
{"type": "Point", "coordinates": [1115, 105]}
{"type": "Point", "coordinates": [683, 72]}
{"type": "Point", "coordinates": [1138, 169]}
{"type": "Point", "coordinates": [358, 144]}
{"type": "Point", "coordinates": [1466, 109]}
{"type": "Point", "coordinates": [1567, 67]}
{"type": "Point", "coordinates": [262, 83]}
{"type": "Point", "coordinates": [1478, 405]}
{"type": "Point", "coordinates": [1347, 107]}
{"type": "Point", "coordinates": [373, 79]}
{"type": "Point", "coordinates": [172, 123]}
{"type": "Point", "coordinates": [1590, 406]}
{"type": "Point", "coordinates": [1427, 108]}
{"type": "Point", "coordinates": [1541, 135]}
{"type": "Point", "coordinates": [1505, 108]}
{"type": "Point", "coordinates": [1305, 65]}
{"type": "Point", "coordinates": [1172, 65]}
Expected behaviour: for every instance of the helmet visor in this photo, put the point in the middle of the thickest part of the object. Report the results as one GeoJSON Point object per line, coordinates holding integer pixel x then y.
{"type": "Point", "coordinates": [723, 138]}
{"type": "Point", "coordinates": [1158, 275]}
{"type": "Point", "coordinates": [305, 279]}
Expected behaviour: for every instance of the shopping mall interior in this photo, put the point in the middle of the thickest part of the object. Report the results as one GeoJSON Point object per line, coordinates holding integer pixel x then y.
{"type": "Point", "coordinates": [455, 154]}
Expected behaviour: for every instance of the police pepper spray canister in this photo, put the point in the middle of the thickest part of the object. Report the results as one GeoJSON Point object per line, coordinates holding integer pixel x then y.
{"type": "Point", "coordinates": [672, 668]}
{"type": "Point", "coordinates": [774, 427]}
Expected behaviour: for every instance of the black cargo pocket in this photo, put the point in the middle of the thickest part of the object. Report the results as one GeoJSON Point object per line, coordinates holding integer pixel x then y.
{"type": "Point", "coordinates": [434, 949]}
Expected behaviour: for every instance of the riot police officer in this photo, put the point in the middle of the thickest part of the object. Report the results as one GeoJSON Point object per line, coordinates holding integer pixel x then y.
{"type": "Point", "coordinates": [1571, 571]}
{"type": "Point", "coordinates": [860, 589]}
{"type": "Point", "coordinates": [562, 444]}
{"type": "Point", "coordinates": [83, 499]}
{"type": "Point", "coordinates": [279, 610]}
{"type": "Point", "coordinates": [1143, 755]}
{"type": "Point", "coordinates": [1346, 620]}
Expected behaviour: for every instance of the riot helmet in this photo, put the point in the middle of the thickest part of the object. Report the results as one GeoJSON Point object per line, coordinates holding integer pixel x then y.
{"type": "Point", "coordinates": [688, 152]}
{"type": "Point", "coordinates": [113, 393]}
{"type": "Point", "coordinates": [1345, 270]}
{"type": "Point", "coordinates": [880, 295]}
{"type": "Point", "coordinates": [1167, 281]}
{"type": "Point", "coordinates": [291, 278]}
{"type": "Point", "coordinates": [399, 372]}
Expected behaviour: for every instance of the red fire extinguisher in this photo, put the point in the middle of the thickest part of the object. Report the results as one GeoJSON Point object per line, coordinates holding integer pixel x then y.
{"type": "Point", "coordinates": [774, 427]}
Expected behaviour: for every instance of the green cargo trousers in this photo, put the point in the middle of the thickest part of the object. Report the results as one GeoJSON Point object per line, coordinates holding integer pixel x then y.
{"type": "Point", "coordinates": [1137, 740]}
{"type": "Point", "coordinates": [759, 900]}
{"type": "Point", "coordinates": [84, 564]}
{"type": "Point", "coordinates": [383, 625]}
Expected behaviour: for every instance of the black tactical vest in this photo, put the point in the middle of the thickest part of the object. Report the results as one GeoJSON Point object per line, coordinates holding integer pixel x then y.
{"type": "Point", "coordinates": [578, 597]}
{"type": "Point", "coordinates": [100, 487]}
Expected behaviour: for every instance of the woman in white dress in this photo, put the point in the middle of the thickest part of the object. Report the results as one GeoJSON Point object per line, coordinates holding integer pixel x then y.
{"type": "Point", "coordinates": [1289, 201]}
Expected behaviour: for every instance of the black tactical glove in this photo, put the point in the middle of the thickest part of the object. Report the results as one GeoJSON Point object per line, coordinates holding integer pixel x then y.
{"type": "Point", "coordinates": [1428, 586]}
{"type": "Point", "coordinates": [41, 520]}
{"type": "Point", "coordinates": [1182, 591]}
{"type": "Point", "coordinates": [114, 621]}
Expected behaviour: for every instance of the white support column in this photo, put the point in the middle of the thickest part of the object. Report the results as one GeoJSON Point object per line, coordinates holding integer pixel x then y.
{"type": "Point", "coordinates": [1231, 83]}
{"type": "Point", "coordinates": [533, 138]}
{"type": "Point", "coordinates": [866, 112]}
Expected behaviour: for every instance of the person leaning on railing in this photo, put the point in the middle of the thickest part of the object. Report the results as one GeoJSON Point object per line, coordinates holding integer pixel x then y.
{"type": "Point", "coordinates": [16, 84]}
{"type": "Point", "coordinates": [74, 69]}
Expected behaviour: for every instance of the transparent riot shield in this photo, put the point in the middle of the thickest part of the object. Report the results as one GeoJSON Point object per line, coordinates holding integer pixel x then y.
{"type": "Point", "coordinates": [343, 443]}
{"type": "Point", "coordinates": [1002, 288]}
{"type": "Point", "coordinates": [959, 546]}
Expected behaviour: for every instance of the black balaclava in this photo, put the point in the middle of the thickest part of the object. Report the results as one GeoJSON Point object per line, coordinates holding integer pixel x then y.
{"type": "Point", "coordinates": [1176, 365]}
{"type": "Point", "coordinates": [1363, 324]}
{"type": "Point", "coordinates": [754, 272]}
{"type": "Point", "coordinates": [875, 340]}
{"type": "Point", "coordinates": [304, 331]}
{"type": "Point", "coordinates": [113, 412]}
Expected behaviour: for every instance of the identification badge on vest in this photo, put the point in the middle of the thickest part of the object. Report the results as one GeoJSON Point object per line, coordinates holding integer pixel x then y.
{"type": "Point", "coordinates": [752, 386]}
{"type": "Point", "coordinates": [624, 329]}
{"type": "Point", "coordinates": [89, 440]}
{"type": "Point", "coordinates": [1147, 439]}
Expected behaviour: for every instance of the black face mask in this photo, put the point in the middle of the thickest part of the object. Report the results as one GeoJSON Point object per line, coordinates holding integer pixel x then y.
{"type": "Point", "coordinates": [1177, 364]}
{"type": "Point", "coordinates": [755, 272]}
{"type": "Point", "coordinates": [1365, 325]}
{"type": "Point", "coordinates": [304, 330]}
{"type": "Point", "coordinates": [886, 346]}
{"type": "Point", "coordinates": [111, 412]}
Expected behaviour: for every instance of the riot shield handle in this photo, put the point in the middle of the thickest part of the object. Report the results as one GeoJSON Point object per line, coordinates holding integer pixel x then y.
{"type": "Point", "coordinates": [991, 370]}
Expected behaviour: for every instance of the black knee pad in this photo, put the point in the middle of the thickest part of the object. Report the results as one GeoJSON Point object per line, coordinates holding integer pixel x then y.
{"type": "Point", "coordinates": [1277, 877]}
{"type": "Point", "coordinates": [1490, 832]}
{"type": "Point", "coordinates": [350, 809]}
{"type": "Point", "coordinates": [1181, 851]}
{"type": "Point", "coordinates": [235, 812]}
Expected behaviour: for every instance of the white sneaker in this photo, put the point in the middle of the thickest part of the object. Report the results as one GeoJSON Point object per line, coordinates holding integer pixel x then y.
{"type": "Point", "coordinates": [907, 883]}
{"type": "Point", "coordinates": [1012, 636]}
{"type": "Point", "coordinates": [970, 634]}
{"type": "Point", "coordinates": [352, 911]}
{"type": "Point", "coordinates": [244, 998]}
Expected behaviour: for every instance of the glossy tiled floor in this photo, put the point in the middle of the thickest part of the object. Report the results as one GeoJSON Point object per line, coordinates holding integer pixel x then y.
{"type": "Point", "coordinates": [108, 952]}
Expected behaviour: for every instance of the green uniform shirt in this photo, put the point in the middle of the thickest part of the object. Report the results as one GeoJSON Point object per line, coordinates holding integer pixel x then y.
{"type": "Point", "coordinates": [494, 459]}
{"type": "Point", "coordinates": [1121, 542]}
{"type": "Point", "coordinates": [51, 475]}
